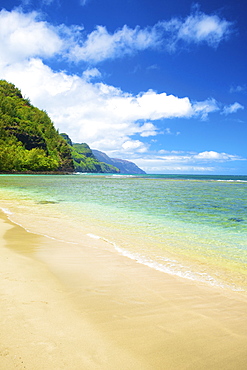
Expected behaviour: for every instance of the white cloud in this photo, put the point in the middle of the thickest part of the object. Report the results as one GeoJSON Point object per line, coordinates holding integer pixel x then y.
{"type": "Point", "coordinates": [167, 35]}
{"type": "Point", "coordinates": [205, 107]}
{"type": "Point", "coordinates": [148, 129]}
{"type": "Point", "coordinates": [156, 106]}
{"type": "Point", "coordinates": [101, 45]}
{"type": "Point", "coordinates": [197, 28]}
{"type": "Point", "coordinates": [200, 27]}
{"type": "Point", "coordinates": [91, 73]}
{"type": "Point", "coordinates": [134, 145]}
{"type": "Point", "coordinates": [23, 36]}
{"type": "Point", "coordinates": [233, 108]}
{"type": "Point", "coordinates": [187, 162]}
{"type": "Point", "coordinates": [215, 156]}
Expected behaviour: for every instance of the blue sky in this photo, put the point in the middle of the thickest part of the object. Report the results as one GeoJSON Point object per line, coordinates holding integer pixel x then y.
{"type": "Point", "coordinates": [160, 83]}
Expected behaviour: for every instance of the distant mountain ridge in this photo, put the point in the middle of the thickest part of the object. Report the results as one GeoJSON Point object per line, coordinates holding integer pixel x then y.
{"type": "Point", "coordinates": [86, 159]}
{"type": "Point", "coordinates": [125, 167]}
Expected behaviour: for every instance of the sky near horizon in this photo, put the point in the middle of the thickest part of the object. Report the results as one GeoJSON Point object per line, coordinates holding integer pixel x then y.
{"type": "Point", "coordinates": [160, 83]}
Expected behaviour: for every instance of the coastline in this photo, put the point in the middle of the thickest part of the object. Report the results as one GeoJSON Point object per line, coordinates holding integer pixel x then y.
{"type": "Point", "coordinates": [41, 326]}
{"type": "Point", "coordinates": [89, 308]}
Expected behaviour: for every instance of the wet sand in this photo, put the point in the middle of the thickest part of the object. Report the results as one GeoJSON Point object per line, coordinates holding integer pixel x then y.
{"type": "Point", "coordinates": [65, 306]}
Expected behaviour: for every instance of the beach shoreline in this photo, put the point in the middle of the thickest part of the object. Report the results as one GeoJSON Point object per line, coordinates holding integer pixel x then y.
{"type": "Point", "coordinates": [41, 326]}
{"type": "Point", "coordinates": [84, 307]}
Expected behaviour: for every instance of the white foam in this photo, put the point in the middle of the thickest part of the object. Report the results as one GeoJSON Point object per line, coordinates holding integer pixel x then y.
{"type": "Point", "coordinates": [94, 236]}
{"type": "Point", "coordinates": [230, 180]}
{"type": "Point", "coordinates": [6, 211]}
{"type": "Point", "coordinates": [172, 267]}
{"type": "Point", "coordinates": [119, 176]}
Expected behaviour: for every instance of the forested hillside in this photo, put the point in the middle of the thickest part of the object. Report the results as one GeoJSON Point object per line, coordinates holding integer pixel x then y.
{"type": "Point", "coordinates": [84, 159]}
{"type": "Point", "coordinates": [28, 138]}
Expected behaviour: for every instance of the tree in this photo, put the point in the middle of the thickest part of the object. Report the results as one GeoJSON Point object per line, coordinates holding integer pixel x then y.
{"type": "Point", "coordinates": [28, 138]}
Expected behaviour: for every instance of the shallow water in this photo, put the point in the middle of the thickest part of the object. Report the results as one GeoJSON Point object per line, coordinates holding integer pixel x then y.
{"type": "Point", "coordinates": [191, 226]}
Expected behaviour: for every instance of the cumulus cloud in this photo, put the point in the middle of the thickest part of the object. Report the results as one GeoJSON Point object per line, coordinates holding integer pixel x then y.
{"type": "Point", "coordinates": [91, 111]}
{"type": "Point", "coordinates": [233, 108]}
{"type": "Point", "coordinates": [24, 35]}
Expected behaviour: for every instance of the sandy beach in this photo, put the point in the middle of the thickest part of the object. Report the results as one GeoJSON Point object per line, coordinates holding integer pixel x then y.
{"type": "Point", "coordinates": [83, 307]}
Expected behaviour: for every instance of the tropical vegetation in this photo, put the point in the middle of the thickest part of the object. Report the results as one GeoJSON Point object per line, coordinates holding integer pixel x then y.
{"type": "Point", "coordinates": [29, 141]}
{"type": "Point", "coordinates": [84, 159]}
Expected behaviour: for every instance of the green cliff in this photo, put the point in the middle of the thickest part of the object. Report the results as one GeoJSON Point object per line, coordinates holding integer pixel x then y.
{"type": "Point", "coordinates": [84, 159]}
{"type": "Point", "coordinates": [28, 140]}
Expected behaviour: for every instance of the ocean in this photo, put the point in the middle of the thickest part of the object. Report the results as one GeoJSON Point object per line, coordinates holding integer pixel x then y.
{"type": "Point", "coordinates": [194, 227]}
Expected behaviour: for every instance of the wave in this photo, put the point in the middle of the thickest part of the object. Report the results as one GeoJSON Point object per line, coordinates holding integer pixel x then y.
{"type": "Point", "coordinates": [168, 266]}
{"type": "Point", "coordinates": [6, 211]}
{"type": "Point", "coordinates": [122, 176]}
{"type": "Point", "coordinates": [171, 267]}
{"type": "Point", "coordinates": [230, 180]}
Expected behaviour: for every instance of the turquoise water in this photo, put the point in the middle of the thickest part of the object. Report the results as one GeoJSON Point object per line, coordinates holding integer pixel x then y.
{"type": "Point", "coordinates": [191, 226]}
